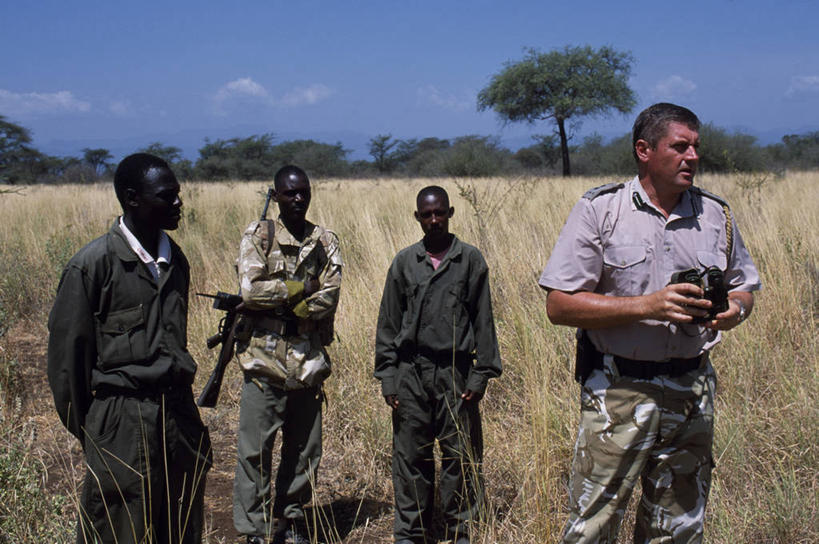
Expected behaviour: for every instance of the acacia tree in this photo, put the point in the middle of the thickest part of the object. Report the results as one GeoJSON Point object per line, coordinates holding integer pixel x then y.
{"type": "Point", "coordinates": [98, 159]}
{"type": "Point", "coordinates": [560, 85]}
{"type": "Point", "coordinates": [380, 147]}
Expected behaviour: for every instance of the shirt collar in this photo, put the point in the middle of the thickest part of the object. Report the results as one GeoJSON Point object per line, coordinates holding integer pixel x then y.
{"type": "Point", "coordinates": [639, 199]}
{"type": "Point", "coordinates": [164, 250]}
{"type": "Point", "coordinates": [452, 254]}
{"type": "Point", "coordinates": [284, 238]}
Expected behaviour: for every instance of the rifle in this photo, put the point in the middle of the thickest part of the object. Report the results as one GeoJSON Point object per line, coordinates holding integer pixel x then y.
{"type": "Point", "coordinates": [228, 303]}
{"type": "Point", "coordinates": [266, 203]}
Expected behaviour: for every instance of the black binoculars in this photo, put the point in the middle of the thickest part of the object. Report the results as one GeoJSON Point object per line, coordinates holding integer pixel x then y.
{"type": "Point", "coordinates": [712, 281]}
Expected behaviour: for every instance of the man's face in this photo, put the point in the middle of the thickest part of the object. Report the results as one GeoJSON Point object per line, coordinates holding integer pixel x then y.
{"type": "Point", "coordinates": [672, 164]}
{"type": "Point", "coordinates": [433, 214]}
{"type": "Point", "coordinates": [157, 202]}
{"type": "Point", "coordinates": [293, 197]}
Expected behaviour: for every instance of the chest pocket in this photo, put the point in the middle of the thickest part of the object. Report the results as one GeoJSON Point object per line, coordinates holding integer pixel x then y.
{"type": "Point", "coordinates": [708, 259]}
{"type": "Point", "coordinates": [624, 265]}
{"type": "Point", "coordinates": [121, 337]}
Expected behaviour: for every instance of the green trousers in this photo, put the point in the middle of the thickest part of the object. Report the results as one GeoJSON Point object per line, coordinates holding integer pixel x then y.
{"type": "Point", "coordinates": [147, 460]}
{"type": "Point", "coordinates": [264, 410]}
{"type": "Point", "coordinates": [430, 409]}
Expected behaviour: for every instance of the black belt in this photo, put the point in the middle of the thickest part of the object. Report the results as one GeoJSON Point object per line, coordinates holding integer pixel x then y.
{"type": "Point", "coordinates": [439, 356]}
{"type": "Point", "coordinates": [641, 370]}
{"type": "Point", "coordinates": [646, 370]}
{"type": "Point", "coordinates": [151, 392]}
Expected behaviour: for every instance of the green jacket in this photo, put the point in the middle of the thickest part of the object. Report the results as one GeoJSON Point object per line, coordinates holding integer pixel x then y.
{"type": "Point", "coordinates": [444, 314]}
{"type": "Point", "coordinates": [113, 325]}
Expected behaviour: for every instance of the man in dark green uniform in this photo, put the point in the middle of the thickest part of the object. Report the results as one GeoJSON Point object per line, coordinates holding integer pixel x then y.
{"type": "Point", "coordinates": [436, 349]}
{"type": "Point", "coordinates": [121, 374]}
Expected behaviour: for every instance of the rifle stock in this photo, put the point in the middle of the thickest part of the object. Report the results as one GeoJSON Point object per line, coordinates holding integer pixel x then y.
{"type": "Point", "coordinates": [226, 337]}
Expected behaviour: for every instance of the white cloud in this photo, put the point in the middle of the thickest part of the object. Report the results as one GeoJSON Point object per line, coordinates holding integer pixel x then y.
{"type": "Point", "coordinates": [242, 87]}
{"type": "Point", "coordinates": [673, 88]}
{"type": "Point", "coordinates": [41, 103]}
{"type": "Point", "coordinates": [801, 85]}
{"type": "Point", "coordinates": [121, 108]}
{"type": "Point", "coordinates": [247, 90]}
{"type": "Point", "coordinates": [430, 94]}
{"type": "Point", "coordinates": [309, 95]}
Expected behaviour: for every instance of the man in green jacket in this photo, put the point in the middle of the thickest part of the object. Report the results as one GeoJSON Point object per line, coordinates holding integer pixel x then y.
{"type": "Point", "coordinates": [436, 349]}
{"type": "Point", "coordinates": [121, 374]}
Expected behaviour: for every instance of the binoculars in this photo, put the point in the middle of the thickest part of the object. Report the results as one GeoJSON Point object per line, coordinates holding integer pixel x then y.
{"type": "Point", "coordinates": [712, 281]}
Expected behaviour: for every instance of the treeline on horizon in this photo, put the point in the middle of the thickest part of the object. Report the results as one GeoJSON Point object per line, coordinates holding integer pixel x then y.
{"type": "Point", "coordinates": [258, 157]}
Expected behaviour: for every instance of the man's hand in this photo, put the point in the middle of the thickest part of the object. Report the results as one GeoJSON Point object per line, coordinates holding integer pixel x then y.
{"type": "Point", "coordinates": [392, 401]}
{"type": "Point", "coordinates": [678, 302]}
{"type": "Point", "coordinates": [311, 285]}
{"type": "Point", "coordinates": [728, 319]}
{"type": "Point", "coordinates": [469, 395]}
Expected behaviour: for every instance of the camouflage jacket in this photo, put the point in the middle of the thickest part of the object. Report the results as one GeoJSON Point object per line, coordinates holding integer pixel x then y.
{"type": "Point", "coordinates": [283, 335]}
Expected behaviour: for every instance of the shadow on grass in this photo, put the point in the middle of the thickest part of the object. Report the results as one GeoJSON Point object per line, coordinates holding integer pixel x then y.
{"type": "Point", "coordinates": [337, 519]}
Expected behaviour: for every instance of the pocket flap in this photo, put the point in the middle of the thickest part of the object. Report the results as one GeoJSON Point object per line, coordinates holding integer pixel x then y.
{"type": "Point", "coordinates": [623, 256]}
{"type": "Point", "coordinates": [708, 259]}
{"type": "Point", "coordinates": [121, 321]}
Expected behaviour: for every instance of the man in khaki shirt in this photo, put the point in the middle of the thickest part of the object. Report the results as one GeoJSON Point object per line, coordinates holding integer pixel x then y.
{"type": "Point", "coordinates": [643, 341]}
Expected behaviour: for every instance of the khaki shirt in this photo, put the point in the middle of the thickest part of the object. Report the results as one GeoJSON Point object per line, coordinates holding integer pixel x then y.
{"type": "Point", "coordinates": [615, 242]}
{"type": "Point", "coordinates": [271, 279]}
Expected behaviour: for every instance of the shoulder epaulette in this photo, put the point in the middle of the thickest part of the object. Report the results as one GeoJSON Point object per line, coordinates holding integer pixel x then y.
{"type": "Point", "coordinates": [591, 194]}
{"type": "Point", "coordinates": [700, 191]}
{"type": "Point", "coordinates": [729, 224]}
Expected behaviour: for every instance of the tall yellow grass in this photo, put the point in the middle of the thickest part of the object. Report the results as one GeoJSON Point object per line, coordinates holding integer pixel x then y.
{"type": "Point", "coordinates": [767, 458]}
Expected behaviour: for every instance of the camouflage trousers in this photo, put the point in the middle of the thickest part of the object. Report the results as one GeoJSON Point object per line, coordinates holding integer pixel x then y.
{"type": "Point", "coordinates": [660, 430]}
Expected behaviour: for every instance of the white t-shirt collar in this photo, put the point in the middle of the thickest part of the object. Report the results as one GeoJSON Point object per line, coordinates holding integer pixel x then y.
{"type": "Point", "coordinates": [164, 250]}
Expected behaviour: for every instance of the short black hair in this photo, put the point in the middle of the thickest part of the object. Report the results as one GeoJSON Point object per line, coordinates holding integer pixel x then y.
{"type": "Point", "coordinates": [132, 170]}
{"type": "Point", "coordinates": [651, 124]}
{"type": "Point", "coordinates": [433, 190]}
{"type": "Point", "coordinates": [285, 172]}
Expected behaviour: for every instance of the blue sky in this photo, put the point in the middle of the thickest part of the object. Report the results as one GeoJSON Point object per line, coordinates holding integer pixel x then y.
{"type": "Point", "coordinates": [121, 75]}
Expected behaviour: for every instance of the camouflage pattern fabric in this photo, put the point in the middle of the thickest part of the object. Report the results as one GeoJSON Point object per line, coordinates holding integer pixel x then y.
{"type": "Point", "coordinates": [660, 430]}
{"type": "Point", "coordinates": [271, 277]}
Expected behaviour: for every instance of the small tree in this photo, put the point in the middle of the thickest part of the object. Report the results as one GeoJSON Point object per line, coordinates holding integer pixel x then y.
{"type": "Point", "coordinates": [98, 159]}
{"type": "Point", "coordinates": [561, 85]}
{"type": "Point", "coordinates": [380, 147]}
{"type": "Point", "coordinates": [16, 155]}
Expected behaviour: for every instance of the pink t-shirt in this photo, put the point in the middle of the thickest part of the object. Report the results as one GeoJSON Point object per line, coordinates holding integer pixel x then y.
{"type": "Point", "coordinates": [436, 258]}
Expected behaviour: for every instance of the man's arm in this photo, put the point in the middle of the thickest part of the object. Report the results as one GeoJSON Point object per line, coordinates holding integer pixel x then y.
{"type": "Point", "coordinates": [488, 362]}
{"type": "Point", "coordinates": [390, 317]}
{"type": "Point", "coordinates": [72, 350]}
{"type": "Point", "coordinates": [321, 294]}
{"type": "Point", "coordinates": [678, 303]}
{"type": "Point", "coordinates": [259, 291]}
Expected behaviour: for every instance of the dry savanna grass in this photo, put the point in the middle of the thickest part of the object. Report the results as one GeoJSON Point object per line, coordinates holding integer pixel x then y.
{"type": "Point", "coordinates": [765, 483]}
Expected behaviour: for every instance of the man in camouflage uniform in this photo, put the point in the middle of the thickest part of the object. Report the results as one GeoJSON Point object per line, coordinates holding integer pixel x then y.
{"type": "Point", "coordinates": [121, 374]}
{"type": "Point", "coordinates": [435, 351]}
{"type": "Point", "coordinates": [289, 275]}
{"type": "Point", "coordinates": [647, 397]}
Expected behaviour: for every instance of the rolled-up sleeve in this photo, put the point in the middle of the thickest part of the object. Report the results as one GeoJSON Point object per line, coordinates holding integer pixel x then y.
{"type": "Point", "coordinates": [576, 262]}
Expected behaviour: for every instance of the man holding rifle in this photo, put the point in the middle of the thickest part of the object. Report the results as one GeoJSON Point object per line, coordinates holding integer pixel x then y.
{"type": "Point", "coordinates": [121, 374]}
{"type": "Point", "coordinates": [289, 276]}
